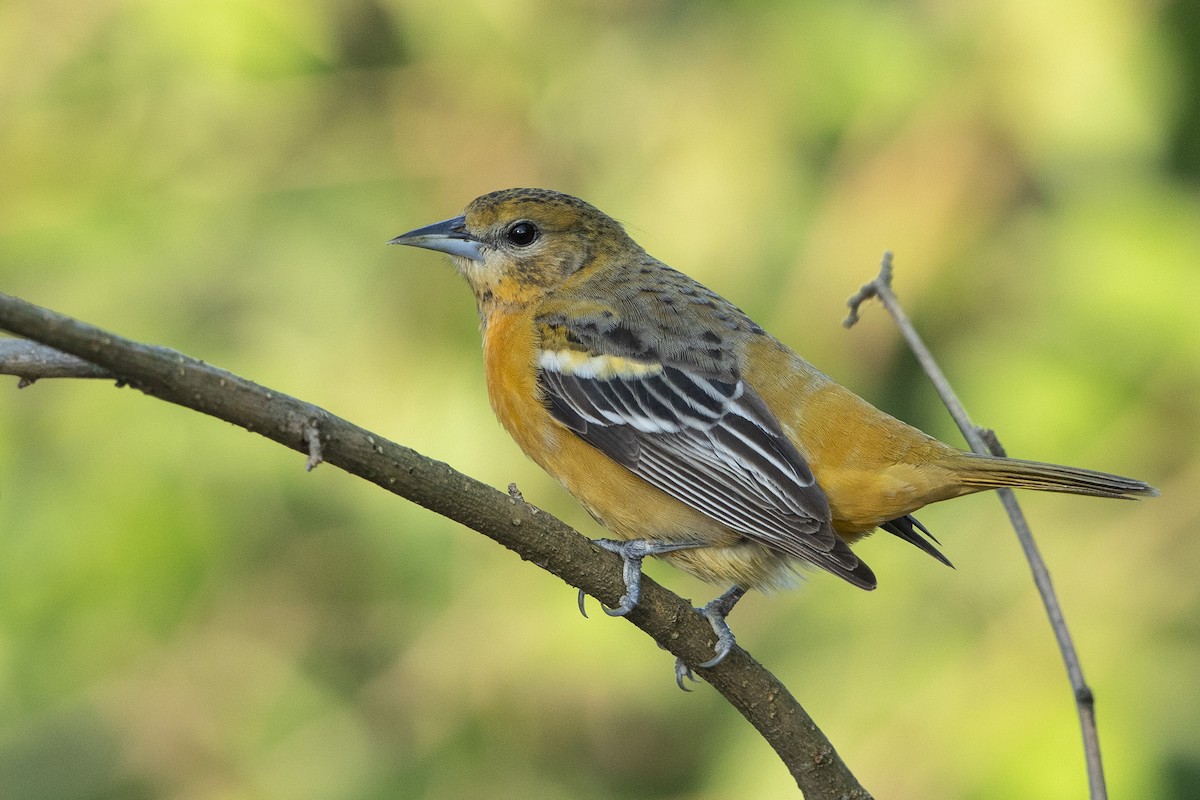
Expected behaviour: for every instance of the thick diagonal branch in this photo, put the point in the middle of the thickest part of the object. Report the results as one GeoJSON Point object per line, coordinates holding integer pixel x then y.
{"type": "Point", "coordinates": [532, 534]}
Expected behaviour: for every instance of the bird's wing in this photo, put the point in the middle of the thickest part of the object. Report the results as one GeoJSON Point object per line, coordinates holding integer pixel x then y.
{"type": "Point", "coordinates": [707, 440]}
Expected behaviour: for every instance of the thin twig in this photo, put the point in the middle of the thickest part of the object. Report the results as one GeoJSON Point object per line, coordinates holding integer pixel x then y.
{"type": "Point", "coordinates": [32, 361]}
{"type": "Point", "coordinates": [535, 535]}
{"type": "Point", "coordinates": [984, 442]}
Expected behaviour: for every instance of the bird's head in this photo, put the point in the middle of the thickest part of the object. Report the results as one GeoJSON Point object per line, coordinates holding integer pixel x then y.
{"type": "Point", "coordinates": [515, 245]}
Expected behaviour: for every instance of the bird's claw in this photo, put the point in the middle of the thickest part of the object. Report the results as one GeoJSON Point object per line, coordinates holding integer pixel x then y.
{"type": "Point", "coordinates": [715, 612]}
{"type": "Point", "coordinates": [725, 641]}
{"type": "Point", "coordinates": [628, 603]}
{"type": "Point", "coordinates": [683, 671]}
{"type": "Point", "coordinates": [632, 553]}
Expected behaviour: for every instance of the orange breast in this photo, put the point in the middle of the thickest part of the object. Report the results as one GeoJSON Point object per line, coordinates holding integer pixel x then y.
{"type": "Point", "coordinates": [601, 484]}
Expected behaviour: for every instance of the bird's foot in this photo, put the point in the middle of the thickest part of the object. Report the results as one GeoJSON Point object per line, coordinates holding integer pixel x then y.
{"type": "Point", "coordinates": [715, 612]}
{"type": "Point", "coordinates": [632, 553]}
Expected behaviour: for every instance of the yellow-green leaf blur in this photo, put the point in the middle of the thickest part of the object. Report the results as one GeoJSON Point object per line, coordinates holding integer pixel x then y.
{"type": "Point", "coordinates": [185, 612]}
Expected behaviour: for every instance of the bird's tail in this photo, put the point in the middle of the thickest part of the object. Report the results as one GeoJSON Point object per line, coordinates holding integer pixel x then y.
{"type": "Point", "coordinates": [989, 472]}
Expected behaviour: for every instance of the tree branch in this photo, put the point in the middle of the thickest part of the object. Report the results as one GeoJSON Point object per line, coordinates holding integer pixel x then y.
{"type": "Point", "coordinates": [984, 442]}
{"type": "Point", "coordinates": [533, 534]}
{"type": "Point", "coordinates": [31, 361]}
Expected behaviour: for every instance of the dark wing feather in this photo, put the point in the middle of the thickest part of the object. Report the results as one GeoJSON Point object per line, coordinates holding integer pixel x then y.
{"type": "Point", "coordinates": [710, 443]}
{"type": "Point", "coordinates": [910, 530]}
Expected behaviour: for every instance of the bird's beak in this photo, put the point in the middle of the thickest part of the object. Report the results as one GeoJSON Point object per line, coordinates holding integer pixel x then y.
{"type": "Point", "coordinates": [449, 236]}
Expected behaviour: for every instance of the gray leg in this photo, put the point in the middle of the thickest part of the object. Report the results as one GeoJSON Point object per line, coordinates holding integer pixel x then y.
{"type": "Point", "coordinates": [715, 612]}
{"type": "Point", "coordinates": [632, 552]}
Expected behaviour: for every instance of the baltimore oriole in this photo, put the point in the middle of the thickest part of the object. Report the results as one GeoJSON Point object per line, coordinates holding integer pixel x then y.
{"type": "Point", "coordinates": [682, 426]}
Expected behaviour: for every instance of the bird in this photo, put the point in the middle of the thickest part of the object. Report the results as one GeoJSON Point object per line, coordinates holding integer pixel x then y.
{"type": "Point", "coordinates": [682, 426]}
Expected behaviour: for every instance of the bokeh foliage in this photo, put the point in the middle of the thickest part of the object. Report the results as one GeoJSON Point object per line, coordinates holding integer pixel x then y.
{"type": "Point", "coordinates": [185, 613]}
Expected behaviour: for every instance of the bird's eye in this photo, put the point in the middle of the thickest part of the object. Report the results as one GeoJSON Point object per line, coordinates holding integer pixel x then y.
{"type": "Point", "coordinates": [522, 234]}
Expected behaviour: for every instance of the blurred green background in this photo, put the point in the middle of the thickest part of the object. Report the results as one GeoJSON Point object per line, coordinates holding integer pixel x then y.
{"type": "Point", "coordinates": [185, 613]}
